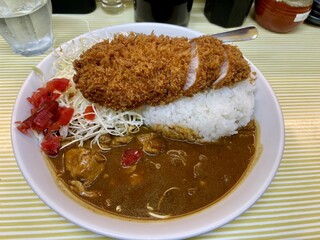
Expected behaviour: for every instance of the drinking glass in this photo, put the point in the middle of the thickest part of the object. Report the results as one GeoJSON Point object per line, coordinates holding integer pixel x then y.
{"type": "Point", "coordinates": [26, 25]}
{"type": "Point", "coordinates": [113, 6]}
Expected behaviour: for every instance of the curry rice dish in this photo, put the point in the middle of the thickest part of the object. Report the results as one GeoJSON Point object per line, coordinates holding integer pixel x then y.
{"type": "Point", "coordinates": [198, 139]}
{"type": "Point", "coordinates": [160, 77]}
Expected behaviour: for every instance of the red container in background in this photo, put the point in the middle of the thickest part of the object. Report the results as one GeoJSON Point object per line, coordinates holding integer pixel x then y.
{"type": "Point", "coordinates": [281, 15]}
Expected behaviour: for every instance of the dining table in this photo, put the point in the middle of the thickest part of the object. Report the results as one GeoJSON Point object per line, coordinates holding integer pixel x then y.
{"type": "Point", "coordinates": [288, 209]}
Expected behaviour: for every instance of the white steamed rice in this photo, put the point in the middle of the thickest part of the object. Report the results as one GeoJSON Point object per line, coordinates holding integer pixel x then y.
{"type": "Point", "coordinates": [212, 114]}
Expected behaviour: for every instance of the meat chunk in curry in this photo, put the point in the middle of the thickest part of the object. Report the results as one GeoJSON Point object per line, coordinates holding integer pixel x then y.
{"type": "Point", "coordinates": [122, 140]}
{"type": "Point", "coordinates": [84, 164]}
{"type": "Point", "coordinates": [151, 142]}
{"type": "Point", "coordinates": [78, 187]}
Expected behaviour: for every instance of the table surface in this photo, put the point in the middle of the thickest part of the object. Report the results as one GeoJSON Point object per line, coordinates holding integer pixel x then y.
{"type": "Point", "coordinates": [290, 208]}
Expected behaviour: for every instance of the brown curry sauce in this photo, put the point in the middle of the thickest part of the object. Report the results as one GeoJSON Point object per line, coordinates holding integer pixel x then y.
{"type": "Point", "coordinates": [182, 178]}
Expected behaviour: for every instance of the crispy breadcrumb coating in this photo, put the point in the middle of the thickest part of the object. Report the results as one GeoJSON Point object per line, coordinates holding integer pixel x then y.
{"type": "Point", "coordinates": [210, 53]}
{"type": "Point", "coordinates": [135, 70]}
{"type": "Point", "coordinates": [238, 67]}
{"type": "Point", "coordinates": [131, 71]}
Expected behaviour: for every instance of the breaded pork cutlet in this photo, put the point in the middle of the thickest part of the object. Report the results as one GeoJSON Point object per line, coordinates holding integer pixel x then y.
{"type": "Point", "coordinates": [235, 68]}
{"type": "Point", "coordinates": [136, 70]}
{"type": "Point", "coordinates": [130, 71]}
{"type": "Point", "coordinates": [209, 52]}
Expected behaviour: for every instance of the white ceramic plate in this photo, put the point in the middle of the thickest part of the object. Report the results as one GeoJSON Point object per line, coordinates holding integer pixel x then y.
{"type": "Point", "coordinates": [36, 172]}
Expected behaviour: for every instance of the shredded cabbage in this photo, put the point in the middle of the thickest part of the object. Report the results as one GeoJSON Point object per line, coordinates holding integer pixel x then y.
{"type": "Point", "coordinates": [106, 121]}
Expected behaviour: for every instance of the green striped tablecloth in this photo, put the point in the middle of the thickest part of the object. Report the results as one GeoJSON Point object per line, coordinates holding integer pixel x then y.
{"type": "Point", "coordinates": [289, 209]}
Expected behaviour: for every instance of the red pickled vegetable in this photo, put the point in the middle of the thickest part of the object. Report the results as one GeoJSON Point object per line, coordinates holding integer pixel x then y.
{"type": "Point", "coordinates": [59, 84]}
{"type": "Point", "coordinates": [51, 144]}
{"type": "Point", "coordinates": [42, 118]}
{"type": "Point", "coordinates": [25, 125]}
{"type": "Point", "coordinates": [48, 94]}
{"type": "Point", "coordinates": [130, 157]}
{"type": "Point", "coordinates": [89, 113]}
{"type": "Point", "coordinates": [62, 118]}
{"type": "Point", "coordinates": [42, 96]}
{"type": "Point", "coordinates": [47, 116]}
{"type": "Point", "coordinates": [65, 115]}
{"type": "Point", "coordinates": [39, 120]}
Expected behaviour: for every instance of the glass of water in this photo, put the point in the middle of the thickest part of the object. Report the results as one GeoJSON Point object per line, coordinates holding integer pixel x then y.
{"type": "Point", "coordinates": [26, 25]}
{"type": "Point", "coordinates": [113, 6]}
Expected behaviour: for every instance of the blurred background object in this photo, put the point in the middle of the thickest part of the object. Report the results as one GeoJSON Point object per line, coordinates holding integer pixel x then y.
{"type": "Point", "coordinates": [73, 6]}
{"type": "Point", "coordinates": [281, 15]}
{"type": "Point", "coordinates": [26, 25]}
{"type": "Point", "coordinates": [314, 16]}
{"type": "Point", "coordinates": [227, 13]}
{"type": "Point", "coordinates": [112, 6]}
{"type": "Point", "coordinates": [163, 11]}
